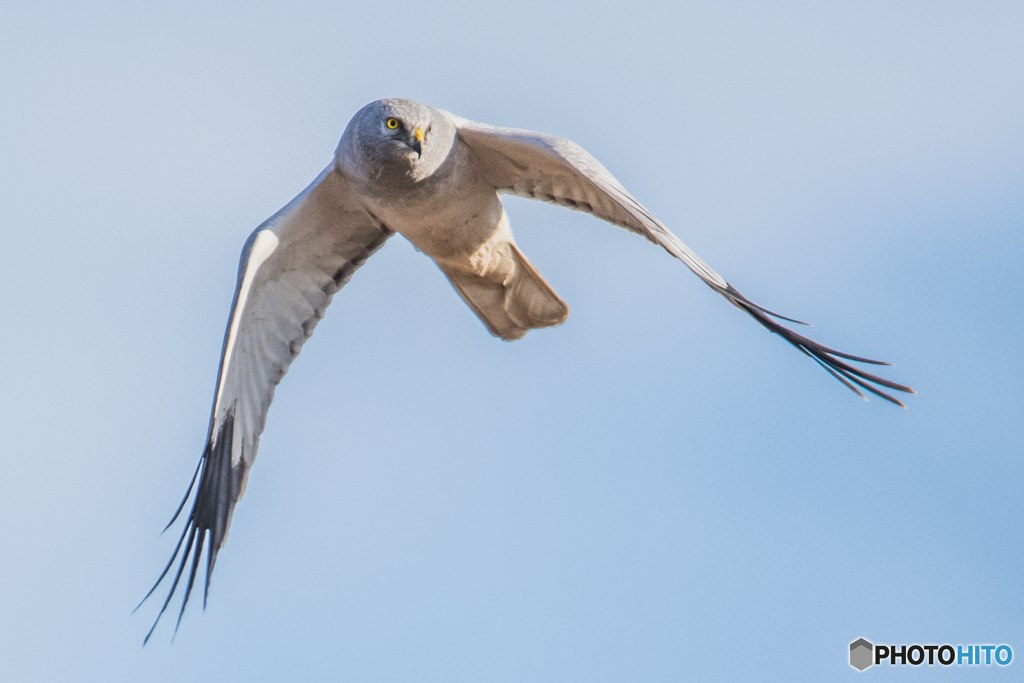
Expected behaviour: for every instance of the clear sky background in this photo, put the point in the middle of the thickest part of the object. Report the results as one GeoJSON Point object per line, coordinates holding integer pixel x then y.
{"type": "Point", "coordinates": [657, 490]}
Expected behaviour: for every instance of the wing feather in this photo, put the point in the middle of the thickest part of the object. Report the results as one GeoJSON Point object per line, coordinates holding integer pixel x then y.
{"type": "Point", "coordinates": [291, 267]}
{"type": "Point", "coordinates": [558, 171]}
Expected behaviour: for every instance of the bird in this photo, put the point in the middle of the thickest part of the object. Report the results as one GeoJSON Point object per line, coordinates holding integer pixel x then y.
{"type": "Point", "coordinates": [435, 178]}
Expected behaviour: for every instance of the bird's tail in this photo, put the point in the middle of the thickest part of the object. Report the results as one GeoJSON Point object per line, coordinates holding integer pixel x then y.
{"type": "Point", "coordinates": [511, 300]}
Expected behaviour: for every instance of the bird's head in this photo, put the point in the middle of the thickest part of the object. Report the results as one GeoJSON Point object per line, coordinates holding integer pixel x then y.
{"type": "Point", "coordinates": [395, 139]}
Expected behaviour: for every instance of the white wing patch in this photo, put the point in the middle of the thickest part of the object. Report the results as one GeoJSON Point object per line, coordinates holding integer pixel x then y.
{"type": "Point", "coordinates": [263, 246]}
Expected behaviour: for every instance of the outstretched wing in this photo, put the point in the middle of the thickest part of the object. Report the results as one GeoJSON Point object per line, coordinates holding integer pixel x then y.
{"type": "Point", "coordinates": [291, 267]}
{"type": "Point", "coordinates": [558, 171]}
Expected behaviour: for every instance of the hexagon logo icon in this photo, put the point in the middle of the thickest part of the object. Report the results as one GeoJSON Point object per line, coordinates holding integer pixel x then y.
{"type": "Point", "coordinates": [861, 654]}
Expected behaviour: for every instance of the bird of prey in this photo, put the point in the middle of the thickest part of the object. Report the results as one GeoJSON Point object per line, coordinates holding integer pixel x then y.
{"type": "Point", "coordinates": [435, 178]}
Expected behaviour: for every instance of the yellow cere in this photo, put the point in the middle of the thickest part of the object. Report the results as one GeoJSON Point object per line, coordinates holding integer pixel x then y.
{"type": "Point", "coordinates": [392, 123]}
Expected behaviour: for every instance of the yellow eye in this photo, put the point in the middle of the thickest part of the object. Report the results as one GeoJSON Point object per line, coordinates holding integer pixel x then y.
{"type": "Point", "coordinates": [392, 123]}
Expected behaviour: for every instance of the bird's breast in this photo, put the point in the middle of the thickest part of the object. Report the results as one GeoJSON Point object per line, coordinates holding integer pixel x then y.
{"type": "Point", "coordinates": [447, 221]}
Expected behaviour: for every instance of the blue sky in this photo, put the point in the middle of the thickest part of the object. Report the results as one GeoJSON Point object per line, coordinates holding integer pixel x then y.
{"type": "Point", "coordinates": [658, 489]}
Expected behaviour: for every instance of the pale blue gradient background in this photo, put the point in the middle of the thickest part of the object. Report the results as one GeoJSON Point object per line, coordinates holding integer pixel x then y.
{"type": "Point", "coordinates": [658, 490]}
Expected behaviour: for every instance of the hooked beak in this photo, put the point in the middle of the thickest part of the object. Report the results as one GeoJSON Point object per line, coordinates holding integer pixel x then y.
{"type": "Point", "coordinates": [418, 145]}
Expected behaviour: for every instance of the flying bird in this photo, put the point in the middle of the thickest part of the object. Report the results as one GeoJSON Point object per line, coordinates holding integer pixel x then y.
{"type": "Point", "coordinates": [435, 178]}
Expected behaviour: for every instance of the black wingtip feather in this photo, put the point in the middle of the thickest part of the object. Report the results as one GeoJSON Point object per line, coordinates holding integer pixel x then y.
{"type": "Point", "coordinates": [826, 357]}
{"type": "Point", "coordinates": [211, 511]}
{"type": "Point", "coordinates": [184, 498]}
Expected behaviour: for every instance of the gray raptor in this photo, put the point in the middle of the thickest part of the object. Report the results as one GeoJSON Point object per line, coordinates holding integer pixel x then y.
{"type": "Point", "coordinates": [434, 177]}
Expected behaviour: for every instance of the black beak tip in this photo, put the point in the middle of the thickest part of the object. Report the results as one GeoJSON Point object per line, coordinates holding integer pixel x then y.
{"type": "Point", "coordinates": [417, 147]}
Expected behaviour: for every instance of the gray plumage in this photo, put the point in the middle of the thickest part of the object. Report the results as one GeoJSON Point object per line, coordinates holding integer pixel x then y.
{"type": "Point", "coordinates": [434, 177]}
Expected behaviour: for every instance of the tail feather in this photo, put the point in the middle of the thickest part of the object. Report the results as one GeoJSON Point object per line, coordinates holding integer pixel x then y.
{"type": "Point", "coordinates": [509, 301]}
